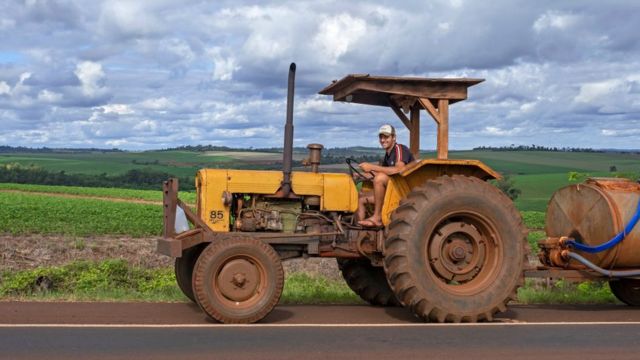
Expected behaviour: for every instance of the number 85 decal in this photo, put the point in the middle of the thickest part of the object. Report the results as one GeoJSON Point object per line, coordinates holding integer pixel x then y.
{"type": "Point", "coordinates": [216, 216]}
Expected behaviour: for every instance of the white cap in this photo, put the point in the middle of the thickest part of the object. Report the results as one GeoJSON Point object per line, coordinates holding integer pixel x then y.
{"type": "Point", "coordinates": [386, 129]}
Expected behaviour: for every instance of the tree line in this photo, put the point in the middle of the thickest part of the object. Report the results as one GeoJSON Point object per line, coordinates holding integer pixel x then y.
{"type": "Point", "coordinates": [534, 147]}
{"type": "Point", "coordinates": [144, 179]}
{"type": "Point", "coordinates": [22, 149]}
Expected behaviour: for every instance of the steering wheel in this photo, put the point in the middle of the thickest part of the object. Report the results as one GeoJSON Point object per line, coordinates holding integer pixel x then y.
{"type": "Point", "coordinates": [353, 169]}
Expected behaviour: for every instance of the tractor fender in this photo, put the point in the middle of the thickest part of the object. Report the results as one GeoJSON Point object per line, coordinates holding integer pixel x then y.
{"type": "Point", "coordinates": [420, 171]}
{"type": "Point", "coordinates": [432, 168]}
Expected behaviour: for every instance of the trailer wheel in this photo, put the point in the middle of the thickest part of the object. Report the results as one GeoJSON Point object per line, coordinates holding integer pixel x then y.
{"type": "Point", "coordinates": [238, 280]}
{"type": "Point", "coordinates": [183, 269]}
{"type": "Point", "coordinates": [455, 250]}
{"type": "Point", "coordinates": [367, 281]}
{"type": "Point", "coordinates": [626, 290]}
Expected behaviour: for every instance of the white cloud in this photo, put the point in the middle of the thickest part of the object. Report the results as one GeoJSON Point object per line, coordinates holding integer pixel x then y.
{"type": "Point", "coordinates": [336, 34]}
{"type": "Point", "coordinates": [620, 133]}
{"type": "Point", "coordinates": [49, 96]}
{"type": "Point", "coordinates": [160, 103]}
{"type": "Point", "coordinates": [129, 18]}
{"type": "Point", "coordinates": [20, 86]}
{"type": "Point", "coordinates": [496, 131]}
{"type": "Point", "coordinates": [6, 24]}
{"type": "Point", "coordinates": [223, 67]}
{"type": "Point", "coordinates": [249, 132]}
{"type": "Point", "coordinates": [4, 88]}
{"type": "Point", "coordinates": [146, 126]}
{"type": "Point", "coordinates": [317, 103]}
{"type": "Point", "coordinates": [90, 75]}
{"type": "Point", "coordinates": [444, 27]}
{"type": "Point", "coordinates": [554, 20]}
{"type": "Point", "coordinates": [594, 91]}
{"type": "Point", "coordinates": [116, 143]}
{"type": "Point", "coordinates": [119, 109]}
{"type": "Point", "coordinates": [262, 46]}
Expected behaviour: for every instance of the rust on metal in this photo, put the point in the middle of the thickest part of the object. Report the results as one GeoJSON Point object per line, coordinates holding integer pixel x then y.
{"type": "Point", "coordinates": [593, 213]}
{"type": "Point", "coordinates": [586, 214]}
{"type": "Point", "coordinates": [615, 184]}
{"type": "Point", "coordinates": [169, 202]}
{"type": "Point", "coordinates": [315, 153]}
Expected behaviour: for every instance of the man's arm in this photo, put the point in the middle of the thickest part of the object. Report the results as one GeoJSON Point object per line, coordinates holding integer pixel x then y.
{"type": "Point", "coordinates": [389, 170]}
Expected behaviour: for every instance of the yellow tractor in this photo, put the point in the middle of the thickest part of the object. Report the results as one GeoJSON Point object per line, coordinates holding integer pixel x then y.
{"type": "Point", "coordinates": [452, 247]}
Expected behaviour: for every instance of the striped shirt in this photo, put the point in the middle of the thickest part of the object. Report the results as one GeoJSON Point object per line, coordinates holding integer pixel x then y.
{"type": "Point", "coordinates": [397, 153]}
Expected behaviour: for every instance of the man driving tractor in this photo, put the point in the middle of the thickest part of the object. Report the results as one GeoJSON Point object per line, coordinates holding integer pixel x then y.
{"type": "Point", "coordinates": [396, 157]}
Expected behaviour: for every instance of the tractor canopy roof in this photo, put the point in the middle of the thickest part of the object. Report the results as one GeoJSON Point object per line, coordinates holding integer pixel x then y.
{"type": "Point", "coordinates": [387, 90]}
{"type": "Point", "coordinates": [406, 95]}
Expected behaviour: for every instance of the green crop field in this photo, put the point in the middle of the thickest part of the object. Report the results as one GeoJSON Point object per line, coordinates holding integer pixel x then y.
{"type": "Point", "coordinates": [25, 213]}
{"type": "Point", "coordinates": [150, 195]}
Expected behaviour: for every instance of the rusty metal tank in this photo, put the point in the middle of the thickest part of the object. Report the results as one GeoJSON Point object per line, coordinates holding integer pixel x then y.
{"type": "Point", "coordinates": [594, 212]}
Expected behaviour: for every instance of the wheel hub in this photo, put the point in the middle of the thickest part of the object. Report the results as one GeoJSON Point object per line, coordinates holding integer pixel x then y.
{"type": "Point", "coordinates": [238, 280]}
{"type": "Point", "coordinates": [456, 252]}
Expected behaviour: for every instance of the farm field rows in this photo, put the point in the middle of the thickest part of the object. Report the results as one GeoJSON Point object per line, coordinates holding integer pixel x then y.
{"type": "Point", "coordinates": [30, 213]}
{"type": "Point", "coordinates": [118, 193]}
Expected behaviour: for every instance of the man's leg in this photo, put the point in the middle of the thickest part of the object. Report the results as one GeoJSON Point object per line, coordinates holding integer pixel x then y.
{"type": "Point", "coordinates": [364, 199]}
{"type": "Point", "coordinates": [379, 188]}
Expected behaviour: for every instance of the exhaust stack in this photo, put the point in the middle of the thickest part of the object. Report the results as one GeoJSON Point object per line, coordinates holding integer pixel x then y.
{"type": "Point", "coordinates": [287, 155]}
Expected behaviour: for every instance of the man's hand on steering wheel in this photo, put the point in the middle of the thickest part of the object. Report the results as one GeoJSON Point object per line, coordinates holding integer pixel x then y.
{"type": "Point", "coordinates": [366, 167]}
{"type": "Point", "coordinates": [355, 172]}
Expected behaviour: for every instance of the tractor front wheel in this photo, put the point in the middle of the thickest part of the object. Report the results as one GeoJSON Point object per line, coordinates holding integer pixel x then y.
{"type": "Point", "coordinates": [455, 250]}
{"type": "Point", "coordinates": [184, 269]}
{"type": "Point", "coordinates": [238, 280]}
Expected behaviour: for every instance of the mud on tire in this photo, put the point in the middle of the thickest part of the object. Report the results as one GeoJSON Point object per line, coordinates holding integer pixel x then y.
{"type": "Point", "coordinates": [367, 281]}
{"type": "Point", "coordinates": [183, 268]}
{"type": "Point", "coordinates": [455, 250]}
{"type": "Point", "coordinates": [238, 280]}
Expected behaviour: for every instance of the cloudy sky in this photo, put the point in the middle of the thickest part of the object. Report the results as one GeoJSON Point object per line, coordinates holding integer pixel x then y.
{"type": "Point", "coordinates": [149, 74]}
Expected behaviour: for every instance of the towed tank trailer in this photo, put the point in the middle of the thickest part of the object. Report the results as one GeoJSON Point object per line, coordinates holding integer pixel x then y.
{"type": "Point", "coordinates": [452, 247]}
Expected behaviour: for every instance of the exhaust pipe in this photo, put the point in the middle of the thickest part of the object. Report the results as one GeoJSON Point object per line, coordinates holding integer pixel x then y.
{"type": "Point", "coordinates": [287, 155]}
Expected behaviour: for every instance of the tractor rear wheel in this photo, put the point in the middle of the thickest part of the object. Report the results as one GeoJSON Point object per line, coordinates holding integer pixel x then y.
{"type": "Point", "coordinates": [626, 290]}
{"type": "Point", "coordinates": [367, 281]}
{"type": "Point", "coordinates": [238, 281]}
{"type": "Point", "coordinates": [184, 269]}
{"type": "Point", "coordinates": [455, 250]}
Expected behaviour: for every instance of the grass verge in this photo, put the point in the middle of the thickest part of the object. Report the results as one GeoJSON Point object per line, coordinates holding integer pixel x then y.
{"type": "Point", "coordinates": [563, 292]}
{"type": "Point", "coordinates": [116, 280]}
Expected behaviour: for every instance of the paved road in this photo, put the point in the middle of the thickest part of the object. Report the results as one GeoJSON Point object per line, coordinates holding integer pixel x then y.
{"type": "Point", "coordinates": [309, 342]}
{"type": "Point", "coordinates": [13, 312]}
{"type": "Point", "coordinates": [179, 331]}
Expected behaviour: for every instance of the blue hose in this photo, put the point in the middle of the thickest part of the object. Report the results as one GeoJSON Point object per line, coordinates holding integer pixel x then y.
{"type": "Point", "coordinates": [611, 243]}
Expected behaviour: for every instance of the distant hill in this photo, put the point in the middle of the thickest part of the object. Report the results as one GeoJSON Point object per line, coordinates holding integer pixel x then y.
{"type": "Point", "coordinates": [46, 150]}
